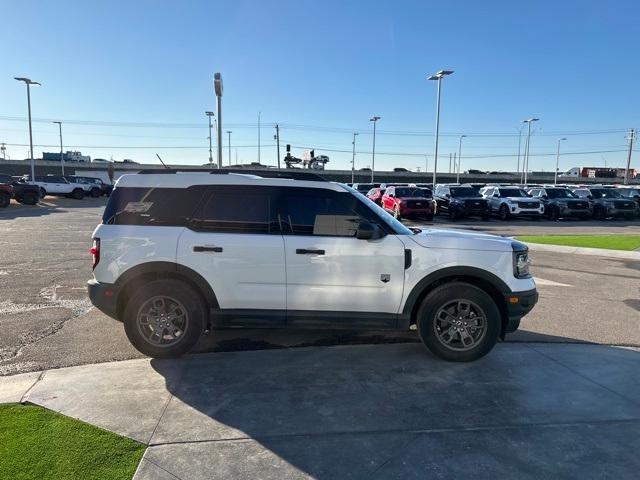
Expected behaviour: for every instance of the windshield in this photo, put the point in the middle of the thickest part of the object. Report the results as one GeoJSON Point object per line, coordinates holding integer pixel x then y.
{"type": "Point", "coordinates": [397, 227]}
{"type": "Point", "coordinates": [410, 192]}
{"type": "Point", "coordinates": [605, 193]}
{"type": "Point", "coordinates": [512, 192]}
{"type": "Point", "coordinates": [464, 192]}
{"type": "Point", "coordinates": [560, 193]}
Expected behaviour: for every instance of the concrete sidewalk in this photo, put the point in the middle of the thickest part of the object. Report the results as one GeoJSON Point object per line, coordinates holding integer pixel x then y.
{"type": "Point", "coordinates": [381, 411]}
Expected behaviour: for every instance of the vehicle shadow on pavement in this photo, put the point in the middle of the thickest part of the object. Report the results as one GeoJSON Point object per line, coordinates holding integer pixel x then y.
{"type": "Point", "coordinates": [383, 411]}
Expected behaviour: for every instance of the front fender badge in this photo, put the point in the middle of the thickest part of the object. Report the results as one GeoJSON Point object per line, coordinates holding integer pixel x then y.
{"type": "Point", "coordinates": [385, 277]}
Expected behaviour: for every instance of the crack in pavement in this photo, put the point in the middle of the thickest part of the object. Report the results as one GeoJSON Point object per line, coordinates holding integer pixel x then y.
{"type": "Point", "coordinates": [50, 300]}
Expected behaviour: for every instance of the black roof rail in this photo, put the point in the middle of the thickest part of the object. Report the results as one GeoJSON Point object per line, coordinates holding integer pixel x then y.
{"type": "Point", "coordinates": [264, 173]}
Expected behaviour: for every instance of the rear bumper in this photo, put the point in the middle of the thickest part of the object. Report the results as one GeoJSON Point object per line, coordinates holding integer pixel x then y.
{"type": "Point", "coordinates": [416, 211]}
{"type": "Point", "coordinates": [104, 297]}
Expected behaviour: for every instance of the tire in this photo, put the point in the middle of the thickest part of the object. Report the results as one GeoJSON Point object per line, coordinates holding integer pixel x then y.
{"type": "Point", "coordinates": [77, 194]}
{"type": "Point", "coordinates": [95, 192]}
{"type": "Point", "coordinates": [174, 292]}
{"type": "Point", "coordinates": [43, 192]}
{"type": "Point", "coordinates": [5, 200]}
{"type": "Point", "coordinates": [447, 297]}
{"type": "Point", "coordinates": [598, 214]}
{"type": "Point", "coordinates": [552, 213]}
{"type": "Point", "coordinates": [453, 215]}
{"type": "Point", "coordinates": [29, 198]}
{"type": "Point", "coordinates": [504, 213]}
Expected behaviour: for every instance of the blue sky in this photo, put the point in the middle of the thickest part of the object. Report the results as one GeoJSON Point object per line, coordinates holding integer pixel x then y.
{"type": "Point", "coordinates": [322, 69]}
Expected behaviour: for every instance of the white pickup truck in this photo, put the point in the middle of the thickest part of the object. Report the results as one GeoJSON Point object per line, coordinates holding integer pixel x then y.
{"type": "Point", "coordinates": [58, 185]}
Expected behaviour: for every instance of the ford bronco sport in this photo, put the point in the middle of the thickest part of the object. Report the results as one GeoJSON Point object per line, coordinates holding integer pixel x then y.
{"type": "Point", "coordinates": [180, 253]}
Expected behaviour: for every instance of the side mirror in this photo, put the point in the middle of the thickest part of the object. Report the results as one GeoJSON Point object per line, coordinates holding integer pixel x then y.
{"type": "Point", "coordinates": [369, 231]}
{"type": "Point", "coordinates": [391, 195]}
{"type": "Point", "coordinates": [496, 195]}
{"type": "Point", "coordinates": [448, 195]}
{"type": "Point", "coordinates": [590, 197]}
{"type": "Point", "coordinates": [545, 197]}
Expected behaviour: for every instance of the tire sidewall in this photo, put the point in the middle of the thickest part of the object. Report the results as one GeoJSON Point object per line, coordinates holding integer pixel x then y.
{"type": "Point", "coordinates": [182, 292]}
{"type": "Point", "coordinates": [445, 293]}
{"type": "Point", "coordinates": [504, 212]}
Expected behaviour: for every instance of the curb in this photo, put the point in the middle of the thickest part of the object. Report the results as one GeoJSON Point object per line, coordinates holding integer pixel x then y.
{"type": "Point", "coordinates": [597, 252]}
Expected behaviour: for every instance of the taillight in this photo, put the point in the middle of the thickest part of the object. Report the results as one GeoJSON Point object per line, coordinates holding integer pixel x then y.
{"type": "Point", "coordinates": [95, 253]}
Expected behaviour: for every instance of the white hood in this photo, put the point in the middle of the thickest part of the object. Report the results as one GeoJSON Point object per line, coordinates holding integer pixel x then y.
{"type": "Point", "coordinates": [462, 240]}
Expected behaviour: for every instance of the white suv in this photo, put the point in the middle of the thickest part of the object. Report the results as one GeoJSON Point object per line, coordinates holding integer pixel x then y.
{"type": "Point", "coordinates": [58, 185]}
{"type": "Point", "coordinates": [512, 201]}
{"type": "Point", "coordinates": [181, 253]}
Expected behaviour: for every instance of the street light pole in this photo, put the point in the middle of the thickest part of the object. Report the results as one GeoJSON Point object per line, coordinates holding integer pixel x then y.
{"type": "Point", "coordinates": [217, 83]}
{"type": "Point", "coordinates": [373, 119]}
{"type": "Point", "coordinates": [210, 114]}
{"type": "Point", "coordinates": [528, 121]}
{"type": "Point", "coordinates": [28, 82]}
{"type": "Point", "coordinates": [631, 138]}
{"type": "Point", "coordinates": [459, 157]}
{"type": "Point", "coordinates": [278, 143]}
{"type": "Point", "coordinates": [229, 133]}
{"type": "Point", "coordinates": [438, 77]}
{"type": "Point", "coordinates": [519, 144]}
{"type": "Point", "coordinates": [555, 176]}
{"type": "Point", "coordinates": [61, 154]}
{"type": "Point", "coordinates": [353, 158]}
{"type": "Point", "coordinates": [258, 138]}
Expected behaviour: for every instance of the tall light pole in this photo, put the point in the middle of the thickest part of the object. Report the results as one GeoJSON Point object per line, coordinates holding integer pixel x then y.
{"type": "Point", "coordinates": [528, 121]}
{"type": "Point", "coordinates": [438, 77]}
{"type": "Point", "coordinates": [229, 132]}
{"type": "Point", "coordinates": [631, 137]}
{"type": "Point", "coordinates": [210, 114]}
{"type": "Point", "coordinates": [28, 82]}
{"type": "Point", "coordinates": [61, 154]}
{"type": "Point", "coordinates": [373, 119]}
{"type": "Point", "coordinates": [277, 139]}
{"type": "Point", "coordinates": [217, 84]}
{"type": "Point", "coordinates": [459, 156]}
{"type": "Point", "coordinates": [555, 176]}
{"type": "Point", "coordinates": [258, 138]}
{"type": "Point", "coordinates": [353, 158]}
{"type": "Point", "coordinates": [519, 144]}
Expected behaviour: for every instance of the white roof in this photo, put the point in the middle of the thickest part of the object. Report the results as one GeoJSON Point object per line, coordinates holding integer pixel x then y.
{"type": "Point", "coordinates": [188, 179]}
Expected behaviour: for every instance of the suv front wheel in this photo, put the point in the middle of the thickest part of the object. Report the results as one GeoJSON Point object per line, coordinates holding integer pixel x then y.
{"type": "Point", "coordinates": [164, 319]}
{"type": "Point", "coordinates": [458, 321]}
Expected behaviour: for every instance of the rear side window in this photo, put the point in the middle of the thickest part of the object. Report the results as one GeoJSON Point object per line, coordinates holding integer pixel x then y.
{"type": "Point", "coordinates": [239, 211]}
{"type": "Point", "coordinates": [152, 206]}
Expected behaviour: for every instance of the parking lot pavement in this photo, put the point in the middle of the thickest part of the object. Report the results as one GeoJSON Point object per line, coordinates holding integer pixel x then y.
{"type": "Point", "coordinates": [384, 411]}
{"type": "Point", "coordinates": [48, 322]}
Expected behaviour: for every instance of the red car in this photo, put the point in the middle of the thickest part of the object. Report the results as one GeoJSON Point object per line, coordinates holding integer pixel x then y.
{"type": "Point", "coordinates": [408, 202]}
{"type": "Point", "coordinates": [375, 195]}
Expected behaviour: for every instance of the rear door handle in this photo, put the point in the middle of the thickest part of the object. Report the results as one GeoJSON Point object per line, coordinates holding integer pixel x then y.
{"type": "Point", "coordinates": [309, 251]}
{"type": "Point", "coordinates": [202, 248]}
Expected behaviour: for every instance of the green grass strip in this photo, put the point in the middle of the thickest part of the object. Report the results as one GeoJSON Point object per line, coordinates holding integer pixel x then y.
{"type": "Point", "coordinates": [609, 242]}
{"type": "Point", "coordinates": [36, 443]}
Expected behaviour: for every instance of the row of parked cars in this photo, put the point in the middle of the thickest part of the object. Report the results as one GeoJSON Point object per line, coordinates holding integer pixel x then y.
{"type": "Point", "coordinates": [28, 192]}
{"type": "Point", "coordinates": [505, 201]}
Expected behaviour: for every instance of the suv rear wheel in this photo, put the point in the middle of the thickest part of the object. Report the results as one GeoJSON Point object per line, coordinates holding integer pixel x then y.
{"type": "Point", "coordinates": [77, 194]}
{"type": "Point", "coordinates": [164, 319]}
{"type": "Point", "coordinates": [96, 192]}
{"type": "Point", "coordinates": [504, 212]}
{"type": "Point", "coordinates": [458, 321]}
{"type": "Point", "coordinates": [29, 198]}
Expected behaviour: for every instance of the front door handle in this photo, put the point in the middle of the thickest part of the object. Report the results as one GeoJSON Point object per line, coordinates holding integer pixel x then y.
{"type": "Point", "coordinates": [308, 251]}
{"type": "Point", "coordinates": [202, 248]}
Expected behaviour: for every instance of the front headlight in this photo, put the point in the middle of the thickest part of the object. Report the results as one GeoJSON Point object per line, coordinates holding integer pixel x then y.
{"type": "Point", "coordinates": [521, 260]}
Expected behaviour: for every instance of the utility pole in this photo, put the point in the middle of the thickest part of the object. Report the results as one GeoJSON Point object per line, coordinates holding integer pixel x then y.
{"type": "Point", "coordinates": [555, 175]}
{"type": "Point", "coordinates": [28, 82]}
{"type": "Point", "coordinates": [426, 163]}
{"type": "Point", "coordinates": [519, 143]}
{"type": "Point", "coordinates": [229, 133]}
{"type": "Point", "coordinates": [217, 83]}
{"type": "Point", "coordinates": [3, 149]}
{"type": "Point", "coordinates": [455, 166]}
{"type": "Point", "coordinates": [258, 137]}
{"type": "Point", "coordinates": [449, 162]}
{"type": "Point", "coordinates": [631, 137]}
{"type": "Point", "coordinates": [459, 156]}
{"type": "Point", "coordinates": [353, 158]}
{"type": "Point", "coordinates": [277, 137]}
{"type": "Point", "coordinates": [528, 121]}
{"type": "Point", "coordinates": [373, 119]}
{"type": "Point", "coordinates": [210, 114]}
{"type": "Point", "coordinates": [61, 154]}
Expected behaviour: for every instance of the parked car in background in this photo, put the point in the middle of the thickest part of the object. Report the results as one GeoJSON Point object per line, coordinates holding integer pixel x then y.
{"type": "Point", "coordinates": [97, 187]}
{"type": "Point", "coordinates": [21, 192]}
{"type": "Point", "coordinates": [632, 193]}
{"type": "Point", "coordinates": [509, 202]}
{"type": "Point", "coordinates": [58, 185]}
{"type": "Point", "coordinates": [375, 195]}
{"type": "Point", "coordinates": [561, 202]}
{"type": "Point", "coordinates": [406, 202]}
{"type": "Point", "coordinates": [460, 201]}
{"type": "Point", "coordinates": [363, 188]}
{"type": "Point", "coordinates": [608, 202]}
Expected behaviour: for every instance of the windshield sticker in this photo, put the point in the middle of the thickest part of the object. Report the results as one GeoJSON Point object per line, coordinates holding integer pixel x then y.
{"type": "Point", "coordinates": [138, 207]}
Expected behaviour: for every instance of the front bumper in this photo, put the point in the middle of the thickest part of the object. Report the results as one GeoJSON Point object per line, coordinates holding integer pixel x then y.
{"type": "Point", "coordinates": [621, 212]}
{"type": "Point", "coordinates": [407, 211]}
{"type": "Point", "coordinates": [575, 212]}
{"type": "Point", "coordinates": [520, 303]}
{"type": "Point", "coordinates": [104, 297]}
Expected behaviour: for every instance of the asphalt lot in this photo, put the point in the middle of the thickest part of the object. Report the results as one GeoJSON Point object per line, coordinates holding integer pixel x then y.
{"type": "Point", "coordinates": [48, 322]}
